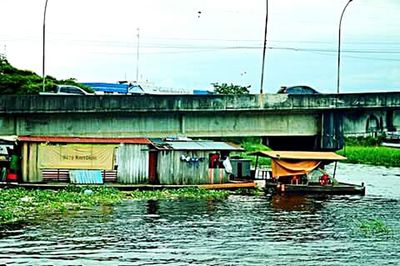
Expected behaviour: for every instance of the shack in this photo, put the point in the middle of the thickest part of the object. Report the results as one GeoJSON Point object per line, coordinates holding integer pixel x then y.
{"type": "Point", "coordinates": [188, 162]}
{"type": "Point", "coordinates": [84, 159]}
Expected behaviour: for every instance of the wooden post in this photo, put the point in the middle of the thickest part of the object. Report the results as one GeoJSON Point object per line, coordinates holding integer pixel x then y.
{"type": "Point", "coordinates": [334, 170]}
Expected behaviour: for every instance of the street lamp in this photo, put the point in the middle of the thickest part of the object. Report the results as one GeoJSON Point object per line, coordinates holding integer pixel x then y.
{"type": "Point", "coordinates": [265, 46]}
{"type": "Point", "coordinates": [338, 54]}
{"type": "Point", "coordinates": [44, 44]}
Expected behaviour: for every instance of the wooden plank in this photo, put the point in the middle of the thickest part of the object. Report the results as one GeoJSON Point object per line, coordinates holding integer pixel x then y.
{"type": "Point", "coordinates": [229, 185]}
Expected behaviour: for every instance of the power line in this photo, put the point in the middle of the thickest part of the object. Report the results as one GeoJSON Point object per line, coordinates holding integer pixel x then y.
{"type": "Point", "coordinates": [315, 51]}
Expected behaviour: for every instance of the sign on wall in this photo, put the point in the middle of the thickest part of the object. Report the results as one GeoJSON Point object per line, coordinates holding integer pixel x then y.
{"type": "Point", "coordinates": [83, 156]}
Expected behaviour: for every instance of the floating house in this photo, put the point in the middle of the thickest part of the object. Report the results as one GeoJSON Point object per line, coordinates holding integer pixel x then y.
{"type": "Point", "coordinates": [84, 160]}
{"type": "Point", "coordinates": [130, 161]}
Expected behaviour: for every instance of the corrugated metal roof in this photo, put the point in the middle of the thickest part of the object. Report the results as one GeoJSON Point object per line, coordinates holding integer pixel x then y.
{"type": "Point", "coordinates": [300, 155]}
{"type": "Point", "coordinates": [56, 139]}
{"type": "Point", "coordinates": [198, 146]}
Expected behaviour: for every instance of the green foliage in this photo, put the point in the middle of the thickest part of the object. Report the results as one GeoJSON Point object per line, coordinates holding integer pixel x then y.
{"type": "Point", "coordinates": [224, 88]}
{"type": "Point", "coordinates": [373, 227]}
{"type": "Point", "coordinates": [20, 82]}
{"type": "Point", "coordinates": [253, 144]}
{"type": "Point", "coordinates": [20, 204]}
{"type": "Point", "coordinates": [372, 155]}
{"type": "Point", "coordinates": [184, 193]}
{"type": "Point", "coordinates": [364, 141]}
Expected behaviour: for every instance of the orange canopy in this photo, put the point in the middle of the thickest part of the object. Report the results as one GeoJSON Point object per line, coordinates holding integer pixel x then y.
{"type": "Point", "coordinates": [290, 168]}
{"type": "Point", "coordinates": [289, 163]}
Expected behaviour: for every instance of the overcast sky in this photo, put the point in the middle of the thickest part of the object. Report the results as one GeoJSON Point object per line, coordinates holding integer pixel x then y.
{"type": "Point", "coordinates": [191, 43]}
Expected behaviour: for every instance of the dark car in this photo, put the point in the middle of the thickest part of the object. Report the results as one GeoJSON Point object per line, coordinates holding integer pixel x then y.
{"type": "Point", "coordinates": [297, 90]}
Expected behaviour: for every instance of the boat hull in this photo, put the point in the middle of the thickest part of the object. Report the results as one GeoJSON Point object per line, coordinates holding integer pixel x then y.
{"type": "Point", "coordinates": [333, 189]}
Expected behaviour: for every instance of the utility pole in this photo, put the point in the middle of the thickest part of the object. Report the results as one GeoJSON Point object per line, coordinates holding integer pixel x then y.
{"type": "Point", "coordinates": [44, 46]}
{"type": "Point", "coordinates": [338, 53]}
{"type": "Point", "coordinates": [264, 47]}
{"type": "Point", "coordinates": [137, 56]}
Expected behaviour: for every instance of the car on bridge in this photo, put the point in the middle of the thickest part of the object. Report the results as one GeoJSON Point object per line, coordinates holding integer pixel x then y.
{"type": "Point", "coordinates": [67, 90]}
{"type": "Point", "coordinates": [300, 89]}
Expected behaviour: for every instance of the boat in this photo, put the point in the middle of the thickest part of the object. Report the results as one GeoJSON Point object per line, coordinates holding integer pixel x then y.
{"type": "Point", "coordinates": [303, 172]}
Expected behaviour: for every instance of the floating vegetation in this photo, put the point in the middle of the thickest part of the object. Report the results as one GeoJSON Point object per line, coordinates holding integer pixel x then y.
{"type": "Point", "coordinates": [374, 227]}
{"type": "Point", "coordinates": [183, 193]}
{"type": "Point", "coordinates": [22, 204]}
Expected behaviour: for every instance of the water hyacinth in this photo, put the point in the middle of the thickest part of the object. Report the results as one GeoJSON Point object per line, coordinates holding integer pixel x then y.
{"type": "Point", "coordinates": [373, 227]}
{"type": "Point", "coordinates": [21, 204]}
{"type": "Point", "coordinates": [183, 193]}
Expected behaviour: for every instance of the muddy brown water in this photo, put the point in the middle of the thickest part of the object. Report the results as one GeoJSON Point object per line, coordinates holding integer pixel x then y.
{"type": "Point", "coordinates": [241, 230]}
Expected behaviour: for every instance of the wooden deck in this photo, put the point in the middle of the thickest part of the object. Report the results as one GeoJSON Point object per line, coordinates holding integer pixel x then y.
{"type": "Point", "coordinates": [337, 189]}
{"type": "Point", "coordinates": [58, 185]}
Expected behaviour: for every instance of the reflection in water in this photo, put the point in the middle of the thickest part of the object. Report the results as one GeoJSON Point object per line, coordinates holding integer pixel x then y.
{"type": "Point", "coordinates": [152, 207]}
{"type": "Point", "coordinates": [296, 202]}
{"type": "Point", "coordinates": [278, 230]}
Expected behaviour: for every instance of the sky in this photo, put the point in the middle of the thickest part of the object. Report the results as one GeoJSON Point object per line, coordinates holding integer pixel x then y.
{"type": "Point", "coordinates": [189, 44]}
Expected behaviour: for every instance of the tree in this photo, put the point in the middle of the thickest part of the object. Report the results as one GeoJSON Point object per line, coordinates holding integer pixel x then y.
{"type": "Point", "coordinates": [16, 81]}
{"type": "Point", "coordinates": [224, 88]}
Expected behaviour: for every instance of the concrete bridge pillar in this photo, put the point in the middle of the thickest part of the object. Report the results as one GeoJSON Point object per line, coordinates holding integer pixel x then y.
{"type": "Point", "coordinates": [332, 130]}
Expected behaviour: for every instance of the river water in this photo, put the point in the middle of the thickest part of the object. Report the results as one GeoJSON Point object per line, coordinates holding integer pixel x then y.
{"type": "Point", "coordinates": [242, 230]}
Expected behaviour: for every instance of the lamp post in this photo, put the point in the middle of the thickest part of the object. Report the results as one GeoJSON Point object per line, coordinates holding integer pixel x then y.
{"type": "Point", "coordinates": [338, 54]}
{"type": "Point", "coordinates": [264, 47]}
{"type": "Point", "coordinates": [44, 46]}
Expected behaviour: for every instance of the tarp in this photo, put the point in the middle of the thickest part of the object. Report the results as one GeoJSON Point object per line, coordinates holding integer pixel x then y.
{"type": "Point", "coordinates": [290, 168]}
{"type": "Point", "coordinates": [301, 155]}
{"type": "Point", "coordinates": [86, 177]}
{"type": "Point", "coordinates": [82, 156]}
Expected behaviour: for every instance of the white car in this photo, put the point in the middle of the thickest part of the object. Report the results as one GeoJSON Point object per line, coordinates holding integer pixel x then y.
{"type": "Point", "coordinates": [67, 90]}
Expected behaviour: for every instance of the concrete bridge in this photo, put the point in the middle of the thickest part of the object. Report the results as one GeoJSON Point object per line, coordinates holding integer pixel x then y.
{"type": "Point", "coordinates": [285, 121]}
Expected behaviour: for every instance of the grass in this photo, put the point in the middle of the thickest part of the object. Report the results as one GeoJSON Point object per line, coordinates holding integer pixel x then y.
{"type": "Point", "coordinates": [252, 145]}
{"type": "Point", "coordinates": [373, 155]}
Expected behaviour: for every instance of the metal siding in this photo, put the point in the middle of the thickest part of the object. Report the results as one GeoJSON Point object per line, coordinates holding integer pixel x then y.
{"type": "Point", "coordinates": [34, 173]}
{"type": "Point", "coordinates": [173, 171]}
{"type": "Point", "coordinates": [133, 164]}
